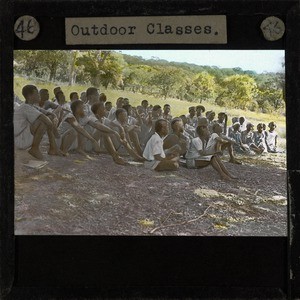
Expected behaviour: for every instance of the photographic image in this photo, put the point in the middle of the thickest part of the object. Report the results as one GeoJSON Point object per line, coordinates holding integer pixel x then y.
{"type": "Point", "coordinates": [150, 142]}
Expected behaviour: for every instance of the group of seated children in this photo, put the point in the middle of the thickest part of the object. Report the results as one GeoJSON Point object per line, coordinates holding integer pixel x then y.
{"type": "Point", "coordinates": [148, 134]}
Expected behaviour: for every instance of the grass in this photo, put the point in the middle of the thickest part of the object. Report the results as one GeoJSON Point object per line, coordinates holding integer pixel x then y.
{"type": "Point", "coordinates": [178, 107]}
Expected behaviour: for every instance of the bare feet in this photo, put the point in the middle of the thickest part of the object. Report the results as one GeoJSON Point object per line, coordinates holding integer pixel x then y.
{"type": "Point", "coordinates": [57, 152]}
{"type": "Point", "coordinates": [80, 151]}
{"type": "Point", "coordinates": [139, 159]}
{"type": "Point", "coordinates": [118, 160]}
{"type": "Point", "coordinates": [36, 153]}
{"type": "Point", "coordinates": [235, 161]}
{"type": "Point", "coordinates": [225, 178]}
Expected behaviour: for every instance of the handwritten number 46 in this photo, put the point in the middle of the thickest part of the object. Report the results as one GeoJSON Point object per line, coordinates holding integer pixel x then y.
{"type": "Point", "coordinates": [22, 28]}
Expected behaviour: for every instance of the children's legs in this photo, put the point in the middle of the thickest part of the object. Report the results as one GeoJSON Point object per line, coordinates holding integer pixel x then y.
{"type": "Point", "coordinates": [175, 150]}
{"type": "Point", "coordinates": [167, 165]}
{"type": "Point", "coordinates": [81, 144]}
{"type": "Point", "coordinates": [55, 125]}
{"type": "Point", "coordinates": [109, 146]}
{"type": "Point", "coordinates": [224, 168]}
{"type": "Point", "coordinates": [67, 140]}
{"type": "Point", "coordinates": [136, 142]}
{"type": "Point", "coordinates": [38, 130]}
{"type": "Point", "coordinates": [53, 150]}
{"type": "Point", "coordinates": [133, 153]}
{"type": "Point", "coordinates": [256, 149]}
{"type": "Point", "coordinates": [215, 164]}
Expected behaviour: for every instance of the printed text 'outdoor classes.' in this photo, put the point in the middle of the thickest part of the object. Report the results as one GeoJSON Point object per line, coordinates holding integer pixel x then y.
{"type": "Point", "coordinates": [147, 30]}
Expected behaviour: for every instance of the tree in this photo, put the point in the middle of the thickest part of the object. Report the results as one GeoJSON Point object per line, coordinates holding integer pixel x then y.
{"type": "Point", "coordinates": [237, 91]}
{"type": "Point", "coordinates": [203, 87]}
{"type": "Point", "coordinates": [165, 79]}
{"type": "Point", "coordinates": [271, 92]}
{"type": "Point", "coordinates": [102, 67]}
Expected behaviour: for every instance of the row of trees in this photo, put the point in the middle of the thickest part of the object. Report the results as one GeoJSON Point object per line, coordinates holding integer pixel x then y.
{"type": "Point", "coordinates": [232, 88]}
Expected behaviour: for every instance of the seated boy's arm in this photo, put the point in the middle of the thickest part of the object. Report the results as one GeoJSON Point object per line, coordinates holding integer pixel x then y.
{"type": "Point", "coordinates": [73, 122]}
{"type": "Point", "coordinates": [43, 118]}
{"type": "Point", "coordinates": [102, 127]}
{"type": "Point", "coordinates": [159, 158]}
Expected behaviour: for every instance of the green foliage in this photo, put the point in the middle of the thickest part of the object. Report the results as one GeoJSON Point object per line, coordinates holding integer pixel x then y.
{"type": "Point", "coordinates": [237, 91]}
{"type": "Point", "coordinates": [232, 88]}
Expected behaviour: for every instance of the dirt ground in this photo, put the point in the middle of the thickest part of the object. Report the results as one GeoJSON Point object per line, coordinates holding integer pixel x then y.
{"type": "Point", "coordinates": [79, 196]}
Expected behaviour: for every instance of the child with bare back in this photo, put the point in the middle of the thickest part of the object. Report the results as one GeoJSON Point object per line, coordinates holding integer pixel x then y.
{"type": "Point", "coordinates": [197, 156]}
{"type": "Point", "coordinates": [30, 125]}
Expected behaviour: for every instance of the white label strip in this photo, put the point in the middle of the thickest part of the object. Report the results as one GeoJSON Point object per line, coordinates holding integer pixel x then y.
{"type": "Point", "coordinates": [147, 30]}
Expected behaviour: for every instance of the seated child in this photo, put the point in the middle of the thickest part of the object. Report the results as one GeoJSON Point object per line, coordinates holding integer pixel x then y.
{"type": "Point", "coordinates": [61, 100]}
{"type": "Point", "coordinates": [74, 96]}
{"type": "Point", "coordinates": [133, 128]}
{"type": "Point", "coordinates": [46, 104]}
{"type": "Point", "coordinates": [98, 129]}
{"type": "Point", "coordinates": [120, 124]}
{"type": "Point", "coordinates": [259, 138]}
{"type": "Point", "coordinates": [238, 146]}
{"type": "Point", "coordinates": [72, 134]}
{"type": "Point", "coordinates": [197, 157]}
{"type": "Point", "coordinates": [177, 137]}
{"type": "Point", "coordinates": [271, 138]}
{"type": "Point", "coordinates": [200, 109]}
{"type": "Point", "coordinates": [108, 107]}
{"type": "Point", "coordinates": [119, 104]}
{"type": "Point", "coordinates": [218, 142]}
{"type": "Point", "coordinates": [98, 110]}
{"type": "Point", "coordinates": [156, 158]}
{"type": "Point", "coordinates": [191, 117]}
{"type": "Point", "coordinates": [166, 113]}
{"type": "Point", "coordinates": [30, 125]}
{"type": "Point", "coordinates": [189, 131]}
{"type": "Point", "coordinates": [230, 128]}
{"type": "Point", "coordinates": [247, 137]}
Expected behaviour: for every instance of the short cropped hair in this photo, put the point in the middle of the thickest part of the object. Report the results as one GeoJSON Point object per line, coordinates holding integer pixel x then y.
{"type": "Point", "coordinates": [75, 104]}
{"type": "Point", "coordinates": [43, 91]}
{"type": "Point", "coordinates": [91, 91]}
{"type": "Point", "coordinates": [158, 124]}
{"type": "Point", "coordinates": [96, 106]}
{"type": "Point", "coordinates": [72, 94]}
{"type": "Point", "coordinates": [144, 101]}
{"type": "Point", "coordinates": [174, 121]}
{"type": "Point", "coordinates": [102, 97]}
{"type": "Point", "coordinates": [156, 107]}
{"type": "Point", "coordinates": [28, 90]}
{"type": "Point", "coordinates": [119, 111]}
{"type": "Point", "coordinates": [167, 105]}
{"type": "Point", "coordinates": [127, 107]}
{"type": "Point", "coordinates": [108, 103]}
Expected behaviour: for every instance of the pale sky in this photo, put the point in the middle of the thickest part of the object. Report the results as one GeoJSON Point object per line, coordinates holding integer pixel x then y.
{"type": "Point", "coordinates": [254, 60]}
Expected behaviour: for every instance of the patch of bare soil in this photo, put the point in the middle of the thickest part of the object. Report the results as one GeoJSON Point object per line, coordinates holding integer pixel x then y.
{"type": "Point", "coordinates": [77, 196]}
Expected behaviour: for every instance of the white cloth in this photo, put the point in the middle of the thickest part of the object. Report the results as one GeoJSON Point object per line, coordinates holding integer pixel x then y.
{"type": "Point", "coordinates": [154, 147]}
{"type": "Point", "coordinates": [270, 139]}
{"type": "Point", "coordinates": [112, 114]}
{"type": "Point", "coordinates": [24, 116]}
{"type": "Point", "coordinates": [210, 147]}
{"type": "Point", "coordinates": [87, 108]}
{"type": "Point", "coordinates": [197, 145]}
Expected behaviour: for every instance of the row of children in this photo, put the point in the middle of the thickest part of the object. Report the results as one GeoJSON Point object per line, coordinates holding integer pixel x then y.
{"type": "Point", "coordinates": [247, 141]}
{"type": "Point", "coordinates": [148, 134]}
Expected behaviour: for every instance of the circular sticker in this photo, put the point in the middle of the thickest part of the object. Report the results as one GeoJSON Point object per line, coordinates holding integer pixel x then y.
{"type": "Point", "coordinates": [27, 28]}
{"type": "Point", "coordinates": [273, 28]}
